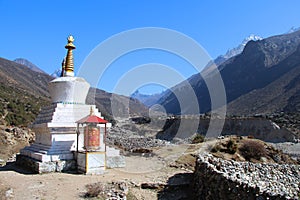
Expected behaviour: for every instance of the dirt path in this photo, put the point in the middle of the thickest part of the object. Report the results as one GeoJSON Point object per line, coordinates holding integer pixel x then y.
{"type": "Point", "coordinates": [139, 169]}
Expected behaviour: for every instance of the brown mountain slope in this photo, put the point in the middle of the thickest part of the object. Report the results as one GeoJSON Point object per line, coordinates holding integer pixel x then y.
{"type": "Point", "coordinates": [103, 100]}
{"type": "Point", "coordinates": [259, 65]}
{"type": "Point", "coordinates": [19, 76]}
{"type": "Point", "coordinates": [23, 92]}
{"type": "Point", "coordinates": [282, 94]}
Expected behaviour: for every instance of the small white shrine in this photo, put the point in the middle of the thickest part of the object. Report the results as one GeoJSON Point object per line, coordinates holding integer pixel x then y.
{"type": "Point", "coordinates": [60, 141]}
{"type": "Point", "coordinates": [91, 147]}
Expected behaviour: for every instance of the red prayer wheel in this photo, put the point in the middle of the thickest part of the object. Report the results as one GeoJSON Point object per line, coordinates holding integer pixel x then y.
{"type": "Point", "coordinates": [91, 138]}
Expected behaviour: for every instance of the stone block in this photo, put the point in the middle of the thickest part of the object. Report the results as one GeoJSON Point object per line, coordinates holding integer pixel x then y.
{"type": "Point", "coordinates": [91, 162]}
{"type": "Point", "coordinates": [45, 167]}
{"type": "Point", "coordinates": [115, 162]}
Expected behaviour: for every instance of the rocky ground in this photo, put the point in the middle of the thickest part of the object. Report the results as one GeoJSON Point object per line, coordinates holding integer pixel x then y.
{"type": "Point", "coordinates": [134, 138]}
{"type": "Point", "coordinates": [165, 173]}
{"type": "Point", "coordinates": [146, 177]}
{"type": "Point", "coordinates": [12, 139]}
{"type": "Point", "coordinates": [155, 169]}
{"type": "Point", "coordinates": [290, 148]}
{"type": "Point", "coordinates": [291, 121]}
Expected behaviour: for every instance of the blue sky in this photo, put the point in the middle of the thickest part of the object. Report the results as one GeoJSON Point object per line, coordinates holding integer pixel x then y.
{"type": "Point", "coordinates": [37, 30]}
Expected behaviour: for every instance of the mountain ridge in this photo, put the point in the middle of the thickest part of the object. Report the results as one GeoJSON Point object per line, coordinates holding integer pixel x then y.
{"type": "Point", "coordinates": [28, 64]}
{"type": "Point", "coordinates": [253, 69]}
{"type": "Point", "coordinates": [147, 99]}
{"type": "Point", "coordinates": [24, 91]}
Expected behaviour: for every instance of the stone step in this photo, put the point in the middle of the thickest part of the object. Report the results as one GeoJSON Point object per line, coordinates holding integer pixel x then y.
{"type": "Point", "coordinates": [38, 147]}
{"type": "Point", "coordinates": [47, 149]}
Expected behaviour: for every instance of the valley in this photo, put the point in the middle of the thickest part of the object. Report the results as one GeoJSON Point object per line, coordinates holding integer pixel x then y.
{"type": "Point", "coordinates": [169, 155]}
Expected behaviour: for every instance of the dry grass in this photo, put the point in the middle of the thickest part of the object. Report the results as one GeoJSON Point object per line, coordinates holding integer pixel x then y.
{"type": "Point", "coordinates": [249, 149]}
{"type": "Point", "coordinates": [95, 190]}
{"type": "Point", "coordinates": [252, 149]}
{"type": "Point", "coordinates": [198, 139]}
{"type": "Point", "coordinates": [187, 161]}
{"type": "Point", "coordinates": [227, 146]}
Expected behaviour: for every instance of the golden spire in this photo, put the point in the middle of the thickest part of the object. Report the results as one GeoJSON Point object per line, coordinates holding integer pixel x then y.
{"type": "Point", "coordinates": [69, 66]}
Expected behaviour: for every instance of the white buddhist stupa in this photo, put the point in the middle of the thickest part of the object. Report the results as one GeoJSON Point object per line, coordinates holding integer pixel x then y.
{"type": "Point", "coordinates": [59, 144]}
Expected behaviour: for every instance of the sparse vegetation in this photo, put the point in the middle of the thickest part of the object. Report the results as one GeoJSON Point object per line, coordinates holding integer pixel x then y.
{"type": "Point", "coordinates": [113, 190]}
{"type": "Point", "coordinates": [198, 139]}
{"type": "Point", "coordinates": [231, 146]}
{"type": "Point", "coordinates": [95, 190]}
{"type": "Point", "coordinates": [244, 149]}
{"type": "Point", "coordinates": [216, 148]}
{"type": "Point", "coordinates": [17, 107]}
{"type": "Point", "coordinates": [187, 161]}
{"type": "Point", "coordinates": [252, 149]}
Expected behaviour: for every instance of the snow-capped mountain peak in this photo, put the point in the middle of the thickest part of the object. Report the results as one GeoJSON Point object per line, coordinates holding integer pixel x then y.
{"type": "Point", "coordinates": [237, 50]}
{"type": "Point", "coordinates": [251, 37]}
{"type": "Point", "coordinates": [56, 73]}
{"type": "Point", "coordinates": [293, 29]}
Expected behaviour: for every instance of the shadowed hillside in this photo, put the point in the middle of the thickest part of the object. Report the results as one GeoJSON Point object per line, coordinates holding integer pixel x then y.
{"type": "Point", "coordinates": [267, 68]}
{"type": "Point", "coordinates": [23, 92]}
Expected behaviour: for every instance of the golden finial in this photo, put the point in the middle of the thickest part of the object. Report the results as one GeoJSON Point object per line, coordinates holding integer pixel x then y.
{"type": "Point", "coordinates": [70, 39]}
{"type": "Point", "coordinates": [69, 66]}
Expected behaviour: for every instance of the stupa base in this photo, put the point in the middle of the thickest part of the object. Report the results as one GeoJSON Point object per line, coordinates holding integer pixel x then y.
{"type": "Point", "coordinates": [39, 167]}
{"type": "Point", "coordinates": [91, 162]}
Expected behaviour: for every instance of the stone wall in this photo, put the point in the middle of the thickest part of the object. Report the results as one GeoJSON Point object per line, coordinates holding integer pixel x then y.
{"type": "Point", "coordinates": [221, 179]}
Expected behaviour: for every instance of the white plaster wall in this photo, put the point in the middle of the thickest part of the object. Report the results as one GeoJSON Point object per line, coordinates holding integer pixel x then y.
{"type": "Point", "coordinates": [69, 89]}
{"type": "Point", "coordinates": [95, 160]}
{"type": "Point", "coordinates": [64, 141]}
{"type": "Point", "coordinates": [43, 136]}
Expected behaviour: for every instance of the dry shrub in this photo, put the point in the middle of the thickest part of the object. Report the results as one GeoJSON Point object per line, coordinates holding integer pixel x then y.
{"type": "Point", "coordinates": [250, 136]}
{"type": "Point", "coordinates": [252, 149]}
{"type": "Point", "coordinates": [231, 147]}
{"type": "Point", "coordinates": [198, 139]}
{"type": "Point", "coordinates": [216, 148]}
{"type": "Point", "coordinates": [94, 190]}
{"type": "Point", "coordinates": [228, 147]}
